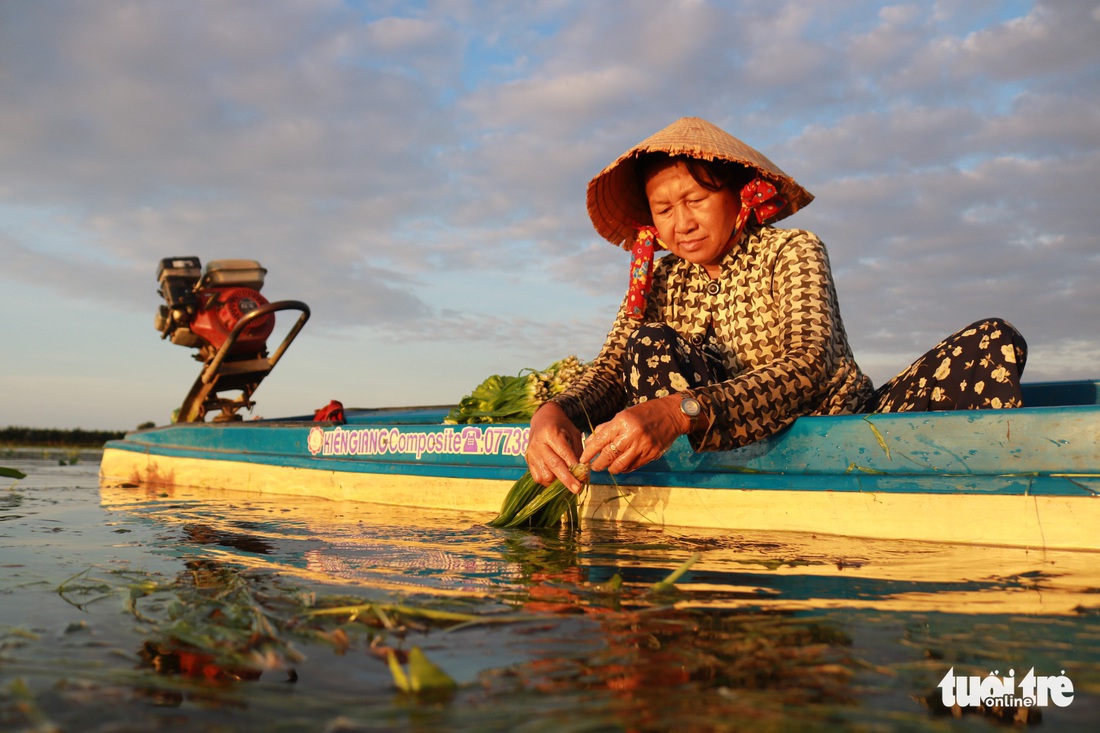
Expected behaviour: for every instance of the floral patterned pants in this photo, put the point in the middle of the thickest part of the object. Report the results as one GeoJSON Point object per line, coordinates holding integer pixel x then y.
{"type": "Point", "coordinates": [661, 362]}
{"type": "Point", "coordinates": [977, 367]}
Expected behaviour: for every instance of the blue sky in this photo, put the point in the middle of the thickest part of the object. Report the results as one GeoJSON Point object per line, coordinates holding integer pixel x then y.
{"type": "Point", "coordinates": [416, 173]}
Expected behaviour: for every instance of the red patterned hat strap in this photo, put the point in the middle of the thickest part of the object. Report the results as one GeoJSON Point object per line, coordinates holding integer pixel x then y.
{"type": "Point", "coordinates": [760, 198]}
{"type": "Point", "coordinates": [641, 271]}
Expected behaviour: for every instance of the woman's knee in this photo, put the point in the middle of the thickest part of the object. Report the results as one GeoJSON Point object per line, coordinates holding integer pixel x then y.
{"type": "Point", "coordinates": [992, 324]}
{"type": "Point", "coordinates": [1005, 332]}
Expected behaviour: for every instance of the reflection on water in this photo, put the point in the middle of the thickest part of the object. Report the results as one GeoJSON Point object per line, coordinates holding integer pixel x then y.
{"type": "Point", "coordinates": [410, 550]}
{"type": "Point", "coordinates": [126, 609]}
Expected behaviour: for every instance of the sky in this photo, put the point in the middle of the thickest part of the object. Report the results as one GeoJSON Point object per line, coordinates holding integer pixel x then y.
{"type": "Point", "coordinates": [416, 172]}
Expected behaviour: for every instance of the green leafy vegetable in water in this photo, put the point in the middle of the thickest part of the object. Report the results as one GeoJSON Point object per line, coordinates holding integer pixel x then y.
{"type": "Point", "coordinates": [11, 473]}
{"type": "Point", "coordinates": [529, 504]}
{"type": "Point", "coordinates": [423, 675]}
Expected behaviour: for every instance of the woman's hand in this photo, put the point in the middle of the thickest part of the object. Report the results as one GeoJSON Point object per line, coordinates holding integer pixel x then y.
{"type": "Point", "coordinates": [553, 447]}
{"type": "Point", "coordinates": [636, 436]}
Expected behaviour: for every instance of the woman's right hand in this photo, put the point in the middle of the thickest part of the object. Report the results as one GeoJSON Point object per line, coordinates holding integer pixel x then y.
{"type": "Point", "coordinates": [553, 447]}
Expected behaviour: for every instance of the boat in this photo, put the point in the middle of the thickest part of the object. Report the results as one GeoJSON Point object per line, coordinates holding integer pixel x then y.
{"type": "Point", "coordinates": [1023, 477]}
{"type": "Point", "coordinates": [1026, 477]}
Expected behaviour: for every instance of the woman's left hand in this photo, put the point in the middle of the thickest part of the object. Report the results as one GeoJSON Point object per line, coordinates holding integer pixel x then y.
{"type": "Point", "coordinates": [636, 435]}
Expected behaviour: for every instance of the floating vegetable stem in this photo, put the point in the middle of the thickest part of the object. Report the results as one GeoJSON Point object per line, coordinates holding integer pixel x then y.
{"type": "Point", "coordinates": [669, 583]}
{"type": "Point", "coordinates": [528, 504]}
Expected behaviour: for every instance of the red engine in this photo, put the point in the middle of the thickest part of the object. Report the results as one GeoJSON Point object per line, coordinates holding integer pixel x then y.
{"type": "Point", "coordinates": [220, 312]}
{"type": "Point", "coordinates": [220, 309]}
{"type": "Point", "coordinates": [202, 307]}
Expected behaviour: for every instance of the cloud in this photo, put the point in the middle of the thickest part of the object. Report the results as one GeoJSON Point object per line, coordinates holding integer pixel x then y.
{"type": "Point", "coordinates": [416, 172]}
{"type": "Point", "coordinates": [1055, 39]}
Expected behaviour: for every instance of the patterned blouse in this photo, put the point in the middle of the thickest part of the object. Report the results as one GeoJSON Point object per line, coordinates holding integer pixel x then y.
{"type": "Point", "coordinates": [776, 320]}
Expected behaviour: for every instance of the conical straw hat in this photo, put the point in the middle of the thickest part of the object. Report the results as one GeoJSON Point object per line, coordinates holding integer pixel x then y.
{"type": "Point", "coordinates": [616, 199]}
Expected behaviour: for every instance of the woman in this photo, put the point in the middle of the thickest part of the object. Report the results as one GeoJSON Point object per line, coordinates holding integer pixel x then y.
{"type": "Point", "coordinates": [737, 332]}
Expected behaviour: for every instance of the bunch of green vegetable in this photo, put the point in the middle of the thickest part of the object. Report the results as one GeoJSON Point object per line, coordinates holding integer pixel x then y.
{"type": "Point", "coordinates": [503, 399]}
{"type": "Point", "coordinates": [553, 380]}
{"type": "Point", "coordinates": [529, 504]}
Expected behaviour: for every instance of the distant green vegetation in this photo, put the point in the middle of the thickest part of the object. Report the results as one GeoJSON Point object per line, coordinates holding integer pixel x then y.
{"type": "Point", "coordinates": [76, 438]}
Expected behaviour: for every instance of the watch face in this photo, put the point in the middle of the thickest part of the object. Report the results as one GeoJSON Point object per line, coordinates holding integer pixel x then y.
{"type": "Point", "coordinates": [690, 406]}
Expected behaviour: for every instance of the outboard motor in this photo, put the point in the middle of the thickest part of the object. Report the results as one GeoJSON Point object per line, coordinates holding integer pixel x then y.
{"type": "Point", "coordinates": [220, 312]}
{"type": "Point", "coordinates": [201, 310]}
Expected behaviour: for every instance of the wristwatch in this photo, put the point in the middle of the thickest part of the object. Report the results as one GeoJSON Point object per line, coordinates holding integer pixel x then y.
{"type": "Point", "coordinates": [692, 409]}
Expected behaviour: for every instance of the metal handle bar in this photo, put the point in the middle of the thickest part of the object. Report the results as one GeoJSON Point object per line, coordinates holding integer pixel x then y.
{"type": "Point", "coordinates": [263, 310]}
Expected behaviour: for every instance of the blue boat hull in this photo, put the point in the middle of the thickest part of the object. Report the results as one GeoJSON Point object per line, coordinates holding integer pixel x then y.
{"type": "Point", "coordinates": [1020, 477]}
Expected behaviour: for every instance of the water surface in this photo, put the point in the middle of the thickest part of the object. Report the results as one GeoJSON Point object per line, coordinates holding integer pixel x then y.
{"type": "Point", "coordinates": [125, 609]}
